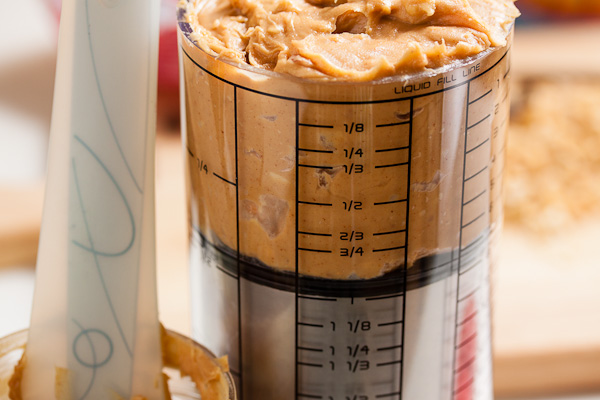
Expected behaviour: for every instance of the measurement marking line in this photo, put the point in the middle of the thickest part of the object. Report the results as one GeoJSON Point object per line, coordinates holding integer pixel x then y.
{"type": "Point", "coordinates": [502, 151]}
{"type": "Point", "coordinates": [317, 298]}
{"type": "Point", "coordinates": [389, 348]}
{"type": "Point", "coordinates": [498, 177]}
{"type": "Point", "coordinates": [470, 268]}
{"type": "Point", "coordinates": [394, 100]}
{"type": "Point", "coordinates": [389, 249]}
{"type": "Point", "coordinates": [476, 174]}
{"type": "Point", "coordinates": [470, 317]}
{"type": "Point", "coordinates": [310, 349]}
{"type": "Point", "coordinates": [404, 282]}
{"type": "Point", "coordinates": [475, 198]}
{"type": "Point", "coordinates": [502, 101]}
{"type": "Point", "coordinates": [392, 149]}
{"type": "Point", "coordinates": [460, 235]}
{"type": "Point", "coordinates": [389, 233]}
{"type": "Point", "coordinates": [469, 295]}
{"type": "Point", "coordinates": [311, 203]}
{"type": "Point", "coordinates": [315, 234]}
{"type": "Point", "coordinates": [474, 243]}
{"type": "Point", "coordinates": [226, 180]}
{"type": "Point", "coordinates": [214, 247]}
{"type": "Point", "coordinates": [474, 220]}
{"type": "Point", "coordinates": [314, 250]}
{"type": "Point", "coordinates": [309, 396]}
{"type": "Point", "coordinates": [478, 146]}
{"type": "Point", "coordinates": [392, 124]}
{"type": "Point", "coordinates": [385, 364]}
{"type": "Point", "coordinates": [316, 126]}
{"type": "Point", "coordinates": [391, 165]}
{"type": "Point", "coordinates": [238, 262]}
{"type": "Point", "coordinates": [296, 265]}
{"type": "Point", "coordinates": [310, 364]}
{"type": "Point", "coordinates": [382, 396]}
{"type": "Point", "coordinates": [189, 150]}
{"type": "Point", "coordinates": [504, 121]}
{"type": "Point", "coordinates": [480, 97]}
{"type": "Point", "coordinates": [311, 325]}
{"type": "Point", "coordinates": [479, 122]}
{"type": "Point", "coordinates": [391, 296]}
{"type": "Point", "coordinates": [223, 270]}
{"type": "Point", "coordinates": [317, 151]}
{"type": "Point", "coordinates": [391, 323]}
{"type": "Point", "coordinates": [507, 72]}
{"type": "Point", "coordinates": [315, 166]}
{"type": "Point", "coordinates": [443, 264]}
{"type": "Point", "coordinates": [389, 202]}
{"type": "Point", "coordinates": [467, 340]}
{"type": "Point", "coordinates": [465, 385]}
{"type": "Point", "coordinates": [203, 240]}
{"type": "Point", "coordinates": [466, 364]}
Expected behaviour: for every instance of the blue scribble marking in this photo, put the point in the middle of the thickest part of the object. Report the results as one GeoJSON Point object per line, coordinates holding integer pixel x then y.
{"type": "Point", "coordinates": [129, 212]}
{"type": "Point", "coordinates": [93, 348]}
{"type": "Point", "coordinates": [110, 124]}
{"type": "Point", "coordinates": [91, 248]}
{"type": "Point", "coordinates": [94, 364]}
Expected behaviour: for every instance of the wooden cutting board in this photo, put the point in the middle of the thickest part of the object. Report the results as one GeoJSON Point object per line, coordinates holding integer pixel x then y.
{"type": "Point", "coordinates": [547, 312]}
{"type": "Point", "coordinates": [547, 294]}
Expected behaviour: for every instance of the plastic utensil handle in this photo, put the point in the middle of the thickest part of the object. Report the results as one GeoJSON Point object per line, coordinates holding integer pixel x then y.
{"type": "Point", "coordinates": [95, 312]}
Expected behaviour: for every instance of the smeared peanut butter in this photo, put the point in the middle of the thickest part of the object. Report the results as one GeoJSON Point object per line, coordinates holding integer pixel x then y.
{"type": "Point", "coordinates": [177, 351]}
{"type": "Point", "coordinates": [353, 40]}
{"type": "Point", "coordinates": [207, 373]}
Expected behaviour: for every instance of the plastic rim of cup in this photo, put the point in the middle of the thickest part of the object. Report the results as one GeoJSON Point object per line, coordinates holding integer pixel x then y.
{"type": "Point", "coordinates": [185, 29]}
{"type": "Point", "coordinates": [13, 345]}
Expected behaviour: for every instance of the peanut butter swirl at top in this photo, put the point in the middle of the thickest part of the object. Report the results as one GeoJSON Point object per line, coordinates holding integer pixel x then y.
{"type": "Point", "coordinates": [352, 40]}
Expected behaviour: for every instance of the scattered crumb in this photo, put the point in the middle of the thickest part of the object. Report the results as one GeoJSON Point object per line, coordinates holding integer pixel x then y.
{"type": "Point", "coordinates": [553, 157]}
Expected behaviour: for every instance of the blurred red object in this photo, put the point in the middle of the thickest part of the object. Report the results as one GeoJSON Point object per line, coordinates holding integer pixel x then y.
{"type": "Point", "coordinates": [168, 70]}
{"type": "Point", "coordinates": [561, 8]}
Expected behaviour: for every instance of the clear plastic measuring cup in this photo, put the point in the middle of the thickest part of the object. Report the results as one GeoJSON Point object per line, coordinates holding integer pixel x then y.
{"type": "Point", "coordinates": [342, 233]}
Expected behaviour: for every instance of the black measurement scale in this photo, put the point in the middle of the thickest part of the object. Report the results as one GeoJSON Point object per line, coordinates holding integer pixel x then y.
{"type": "Point", "coordinates": [416, 333]}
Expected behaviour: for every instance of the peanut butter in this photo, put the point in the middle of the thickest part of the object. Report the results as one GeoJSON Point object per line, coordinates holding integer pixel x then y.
{"type": "Point", "coordinates": [179, 352]}
{"type": "Point", "coordinates": [351, 40]}
{"type": "Point", "coordinates": [323, 184]}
